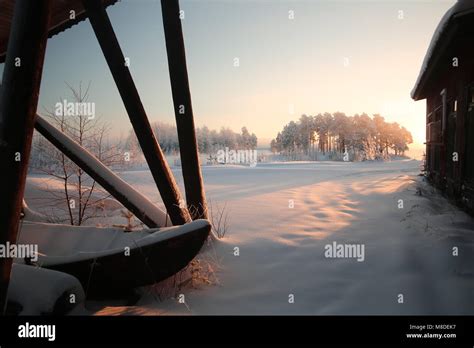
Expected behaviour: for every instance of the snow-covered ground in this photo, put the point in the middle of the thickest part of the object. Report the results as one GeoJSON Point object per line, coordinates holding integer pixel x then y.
{"type": "Point", "coordinates": [283, 215]}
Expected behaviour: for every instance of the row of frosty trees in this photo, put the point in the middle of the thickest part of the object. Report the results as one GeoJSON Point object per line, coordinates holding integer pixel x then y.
{"type": "Point", "coordinates": [330, 136]}
{"type": "Point", "coordinates": [125, 153]}
{"type": "Point", "coordinates": [209, 140]}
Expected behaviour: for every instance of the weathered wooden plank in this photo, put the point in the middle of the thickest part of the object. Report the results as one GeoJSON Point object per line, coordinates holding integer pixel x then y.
{"type": "Point", "coordinates": [193, 183]}
{"type": "Point", "coordinates": [18, 103]}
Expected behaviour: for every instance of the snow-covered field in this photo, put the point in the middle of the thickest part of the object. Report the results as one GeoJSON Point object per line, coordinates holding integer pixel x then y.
{"type": "Point", "coordinates": [283, 215]}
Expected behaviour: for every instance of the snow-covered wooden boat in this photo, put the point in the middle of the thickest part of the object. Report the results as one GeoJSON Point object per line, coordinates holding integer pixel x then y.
{"type": "Point", "coordinates": [108, 260]}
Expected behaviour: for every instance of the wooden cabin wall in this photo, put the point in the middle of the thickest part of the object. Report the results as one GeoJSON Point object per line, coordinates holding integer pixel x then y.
{"type": "Point", "coordinates": [454, 178]}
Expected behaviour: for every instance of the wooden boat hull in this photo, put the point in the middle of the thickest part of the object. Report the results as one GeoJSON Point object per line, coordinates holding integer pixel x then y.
{"type": "Point", "coordinates": [145, 262]}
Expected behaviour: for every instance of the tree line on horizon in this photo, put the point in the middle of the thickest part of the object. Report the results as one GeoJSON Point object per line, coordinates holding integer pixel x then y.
{"type": "Point", "coordinates": [209, 141]}
{"type": "Point", "coordinates": [361, 136]}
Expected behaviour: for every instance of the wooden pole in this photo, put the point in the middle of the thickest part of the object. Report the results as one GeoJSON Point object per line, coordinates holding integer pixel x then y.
{"type": "Point", "coordinates": [138, 204]}
{"type": "Point", "coordinates": [123, 79]}
{"type": "Point", "coordinates": [18, 103]}
{"type": "Point", "coordinates": [193, 183]}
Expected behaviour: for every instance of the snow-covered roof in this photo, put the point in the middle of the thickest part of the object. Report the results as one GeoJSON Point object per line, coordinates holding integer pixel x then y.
{"type": "Point", "coordinates": [438, 43]}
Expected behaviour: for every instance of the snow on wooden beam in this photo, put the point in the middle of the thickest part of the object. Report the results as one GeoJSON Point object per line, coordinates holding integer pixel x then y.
{"type": "Point", "coordinates": [154, 156]}
{"type": "Point", "coordinates": [18, 103]}
{"type": "Point", "coordinates": [138, 204]}
{"type": "Point", "coordinates": [195, 196]}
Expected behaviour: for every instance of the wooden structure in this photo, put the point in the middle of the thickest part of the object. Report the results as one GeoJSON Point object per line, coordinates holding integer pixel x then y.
{"type": "Point", "coordinates": [446, 81]}
{"type": "Point", "coordinates": [25, 26]}
{"type": "Point", "coordinates": [103, 268]}
{"type": "Point", "coordinates": [64, 14]}
{"type": "Point", "coordinates": [183, 109]}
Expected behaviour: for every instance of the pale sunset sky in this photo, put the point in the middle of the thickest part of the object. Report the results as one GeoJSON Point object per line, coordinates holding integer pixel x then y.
{"type": "Point", "coordinates": [283, 62]}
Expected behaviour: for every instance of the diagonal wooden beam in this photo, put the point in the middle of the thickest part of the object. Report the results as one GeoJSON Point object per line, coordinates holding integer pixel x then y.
{"type": "Point", "coordinates": [193, 183]}
{"type": "Point", "coordinates": [155, 158]}
{"type": "Point", "coordinates": [138, 204]}
{"type": "Point", "coordinates": [18, 102]}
